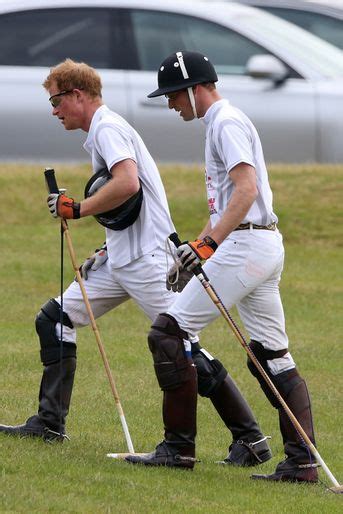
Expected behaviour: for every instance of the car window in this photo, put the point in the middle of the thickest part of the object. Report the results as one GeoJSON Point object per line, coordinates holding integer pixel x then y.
{"type": "Point", "coordinates": [46, 37]}
{"type": "Point", "coordinates": [326, 27]}
{"type": "Point", "coordinates": [159, 34]}
{"type": "Point", "coordinates": [318, 56]}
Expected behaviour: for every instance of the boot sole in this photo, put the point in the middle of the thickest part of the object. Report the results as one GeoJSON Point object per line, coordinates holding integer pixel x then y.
{"type": "Point", "coordinates": [284, 478]}
{"type": "Point", "coordinates": [21, 434]}
{"type": "Point", "coordinates": [26, 435]}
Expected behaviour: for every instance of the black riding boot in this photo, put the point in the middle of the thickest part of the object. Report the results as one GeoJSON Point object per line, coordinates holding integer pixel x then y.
{"type": "Point", "coordinates": [179, 417]}
{"type": "Point", "coordinates": [54, 399]}
{"type": "Point", "coordinates": [249, 446]}
{"type": "Point", "coordinates": [299, 465]}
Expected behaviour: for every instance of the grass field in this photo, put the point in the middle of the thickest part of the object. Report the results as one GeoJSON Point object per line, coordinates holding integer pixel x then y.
{"type": "Point", "coordinates": [76, 476]}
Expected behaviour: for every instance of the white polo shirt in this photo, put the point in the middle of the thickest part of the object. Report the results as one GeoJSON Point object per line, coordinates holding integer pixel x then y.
{"type": "Point", "coordinates": [232, 139]}
{"type": "Point", "coordinates": [111, 140]}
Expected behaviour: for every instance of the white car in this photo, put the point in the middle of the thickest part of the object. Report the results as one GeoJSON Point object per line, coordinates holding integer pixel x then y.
{"type": "Point", "coordinates": [289, 82]}
{"type": "Point", "coordinates": [324, 18]}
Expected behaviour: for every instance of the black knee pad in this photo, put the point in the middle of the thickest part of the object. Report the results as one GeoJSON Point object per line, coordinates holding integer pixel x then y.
{"type": "Point", "coordinates": [166, 343]}
{"type": "Point", "coordinates": [280, 381]}
{"type": "Point", "coordinates": [211, 372]}
{"type": "Point", "coordinates": [46, 320]}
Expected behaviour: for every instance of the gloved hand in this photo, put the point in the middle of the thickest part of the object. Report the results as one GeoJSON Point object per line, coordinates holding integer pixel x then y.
{"type": "Point", "coordinates": [94, 261]}
{"type": "Point", "coordinates": [176, 282]}
{"type": "Point", "coordinates": [192, 253]}
{"type": "Point", "coordinates": [63, 206]}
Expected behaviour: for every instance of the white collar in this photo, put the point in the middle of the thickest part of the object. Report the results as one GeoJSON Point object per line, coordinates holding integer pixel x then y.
{"type": "Point", "coordinates": [88, 144]}
{"type": "Point", "coordinates": [213, 109]}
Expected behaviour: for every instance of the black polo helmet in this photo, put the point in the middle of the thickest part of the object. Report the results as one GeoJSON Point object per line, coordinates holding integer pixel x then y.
{"type": "Point", "coordinates": [121, 217]}
{"type": "Point", "coordinates": [182, 70]}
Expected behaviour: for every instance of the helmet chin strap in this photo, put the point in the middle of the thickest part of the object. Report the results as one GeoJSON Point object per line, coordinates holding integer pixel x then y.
{"type": "Point", "coordinates": [192, 100]}
{"type": "Point", "coordinates": [186, 76]}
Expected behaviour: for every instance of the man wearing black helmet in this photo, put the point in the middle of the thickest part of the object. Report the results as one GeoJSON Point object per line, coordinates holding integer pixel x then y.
{"type": "Point", "coordinates": [126, 195]}
{"type": "Point", "coordinates": [245, 259]}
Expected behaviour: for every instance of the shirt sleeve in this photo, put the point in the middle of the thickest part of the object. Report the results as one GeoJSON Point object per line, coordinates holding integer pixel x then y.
{"type": "Point", "coordinates": [234, 144]}
{"type": "Point", "coordinates": [113, 144]}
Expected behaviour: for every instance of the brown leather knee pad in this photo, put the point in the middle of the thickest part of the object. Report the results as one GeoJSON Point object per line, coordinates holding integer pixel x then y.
{"type": "Point", "coordinates": [173, 366]}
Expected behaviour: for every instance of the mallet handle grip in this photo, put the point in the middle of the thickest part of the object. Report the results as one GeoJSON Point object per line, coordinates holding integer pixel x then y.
{"type": "Point", "coordinates": [50, 180]}
{"type": "Point", "coordinates": [174, 237]}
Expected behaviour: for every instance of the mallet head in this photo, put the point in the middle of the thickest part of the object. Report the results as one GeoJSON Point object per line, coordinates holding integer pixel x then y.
{"type": "Point", "coordinates": [337, 489]}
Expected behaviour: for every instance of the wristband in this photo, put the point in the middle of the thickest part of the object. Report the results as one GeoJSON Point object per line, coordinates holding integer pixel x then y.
{"type": "Point", "coordinates": [67, 208]}
{"type": "Point", "coordinates": [204, 248]}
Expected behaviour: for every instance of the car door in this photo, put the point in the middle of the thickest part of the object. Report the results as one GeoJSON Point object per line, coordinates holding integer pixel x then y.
{"type": "Point", "coordinates": [47, 37]}
{"type": "Point", "coordinates": [284, 115]}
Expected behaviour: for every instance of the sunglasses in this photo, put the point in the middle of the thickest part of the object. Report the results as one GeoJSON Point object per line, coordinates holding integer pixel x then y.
{"type": "Point", "coordinates": [172, 96]}
{"type": "Point", "coordinates": [55, 100]}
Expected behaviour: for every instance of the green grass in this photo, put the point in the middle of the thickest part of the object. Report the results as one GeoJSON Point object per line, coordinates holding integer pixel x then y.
{"type": "Point", "coordinates": [77, 476]}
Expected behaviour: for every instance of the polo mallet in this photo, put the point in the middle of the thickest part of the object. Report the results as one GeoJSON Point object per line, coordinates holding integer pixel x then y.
{"type": "Point", "coordinates": [53, 188]}
{"type": "Point", "coordinates": [205, 282]}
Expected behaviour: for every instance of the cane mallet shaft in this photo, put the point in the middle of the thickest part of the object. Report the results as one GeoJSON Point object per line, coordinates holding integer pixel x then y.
{"type": "Point", "coordinates": [205, 282]}
{"type": "Point", "coordinates": [97, 337]}
{"type": "Point", "coordinates": [53, 188]}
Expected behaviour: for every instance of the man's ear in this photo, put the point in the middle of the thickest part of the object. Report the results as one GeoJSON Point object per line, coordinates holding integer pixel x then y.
{"type": "Point", "coordinates": [78, 93]}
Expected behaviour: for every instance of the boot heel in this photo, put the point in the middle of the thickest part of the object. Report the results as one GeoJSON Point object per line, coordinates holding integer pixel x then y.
{"type": "Point", "coordinates": [265, 456]}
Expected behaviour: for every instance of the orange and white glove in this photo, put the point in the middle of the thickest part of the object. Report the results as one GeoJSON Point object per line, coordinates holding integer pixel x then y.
{"type": "Point", "coordinates": [192, 253]}
{"type": "Point", "coordinates": [63, 206]}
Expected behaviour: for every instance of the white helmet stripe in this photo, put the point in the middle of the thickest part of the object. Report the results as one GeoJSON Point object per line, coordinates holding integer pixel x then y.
{"type": "Point", "coordinates": [182, 65]}
{"type": "Point", "coordinates": [186, 76]}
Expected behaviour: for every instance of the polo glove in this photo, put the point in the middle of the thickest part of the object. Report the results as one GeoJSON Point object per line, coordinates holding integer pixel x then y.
{"type": "Point", "coordinates": [94, 262]}
{"type": "Point", "coordinates": [192, 253]}
{"type": "Point", "coordinates": [177, 278]}
{"type": "Point", "coordinates": [63, 206]}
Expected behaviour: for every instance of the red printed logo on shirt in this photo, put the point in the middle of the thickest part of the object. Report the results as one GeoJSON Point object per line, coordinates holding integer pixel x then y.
{"type": "Point", "coordinates": [209, 183]}
{"type": "Point", "coordinates": [211, 207]}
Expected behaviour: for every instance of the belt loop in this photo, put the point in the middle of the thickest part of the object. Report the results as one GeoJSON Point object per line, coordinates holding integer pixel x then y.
{"type": "Point", "coordinates": [251, 227]}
